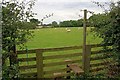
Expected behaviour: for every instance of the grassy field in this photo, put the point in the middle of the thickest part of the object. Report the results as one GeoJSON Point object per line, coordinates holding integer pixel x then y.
{"type": "Point", "coordinates": [59, 37]}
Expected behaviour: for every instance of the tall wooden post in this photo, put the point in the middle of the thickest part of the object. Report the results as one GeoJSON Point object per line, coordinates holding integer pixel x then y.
{"type": "Point", "coordinates": [86, 59]}
{"type": "Point", "coordinates": [84, 38]}
{"type": "Point", "coordinates": [39, 62]}
{"type": "Point", "coordinates": [84, 30]}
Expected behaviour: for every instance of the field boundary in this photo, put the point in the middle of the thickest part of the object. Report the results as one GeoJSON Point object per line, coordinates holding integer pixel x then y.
{"type": "Point", "coordinates": [84, 62]}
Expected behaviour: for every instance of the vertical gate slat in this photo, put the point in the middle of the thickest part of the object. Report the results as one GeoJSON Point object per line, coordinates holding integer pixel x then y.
{"type": "Point", "coordinates": [39, 61]}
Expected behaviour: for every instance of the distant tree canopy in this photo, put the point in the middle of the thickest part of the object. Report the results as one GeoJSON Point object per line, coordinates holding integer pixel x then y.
{"type": "Point", "coordinates": [71, 23]}
{"type": "Point", "coordinates": [34, 22]}
{"type": "Point", "coordinates": [68, 23]}
{"type": "Point", "coordinates": [54, 24]}
{"type": "Point", "coordinates": [80, 22]}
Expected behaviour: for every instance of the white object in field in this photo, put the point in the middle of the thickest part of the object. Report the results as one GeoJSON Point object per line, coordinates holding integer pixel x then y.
{"type": "Point", "coordinates": [68, 30]}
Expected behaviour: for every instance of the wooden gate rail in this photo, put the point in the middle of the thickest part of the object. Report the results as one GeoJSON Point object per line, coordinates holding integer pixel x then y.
{"type": "Point", "coordinates": [40, 65]}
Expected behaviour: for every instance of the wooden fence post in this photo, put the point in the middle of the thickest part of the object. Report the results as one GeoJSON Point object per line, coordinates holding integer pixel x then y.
{"type": "Point", "coordinates": [84, 36]}
{"type": "Point", "coordinates": [39, 63]}
{"type": "Point", "coordinates": [86, 59]}
{"type": "Point", "coordinates": [84, 29]}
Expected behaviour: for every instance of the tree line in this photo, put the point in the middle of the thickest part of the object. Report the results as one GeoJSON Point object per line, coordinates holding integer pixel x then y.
{"type": "Point", "coordinates": [96, 20]}
{"type": "Point", "coordinates": [68, 23]}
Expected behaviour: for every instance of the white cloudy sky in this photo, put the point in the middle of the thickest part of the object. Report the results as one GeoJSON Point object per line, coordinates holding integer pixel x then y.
{"type": "Point", "coordinates": [64, 9]}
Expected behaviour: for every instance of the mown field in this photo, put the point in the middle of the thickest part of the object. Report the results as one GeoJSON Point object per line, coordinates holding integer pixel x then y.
{"type": "Point", "coordinates": [59, 37]}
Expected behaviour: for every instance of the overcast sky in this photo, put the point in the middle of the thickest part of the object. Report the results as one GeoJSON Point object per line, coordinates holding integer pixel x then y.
{"type": "Point", "coordinates": [65, 9]}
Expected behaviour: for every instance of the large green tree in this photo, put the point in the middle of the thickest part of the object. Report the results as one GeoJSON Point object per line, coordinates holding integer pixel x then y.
{"type": "Point", "coordinates": [15, 28]}
{"type": "Point", "coordinates": [99, 20]}
{"type": "Point", "coordinates": [108, 28]}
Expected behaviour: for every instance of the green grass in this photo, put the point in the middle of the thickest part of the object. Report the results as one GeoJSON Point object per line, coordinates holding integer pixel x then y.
{"type": "Point", "coordinates": [51, 37]}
